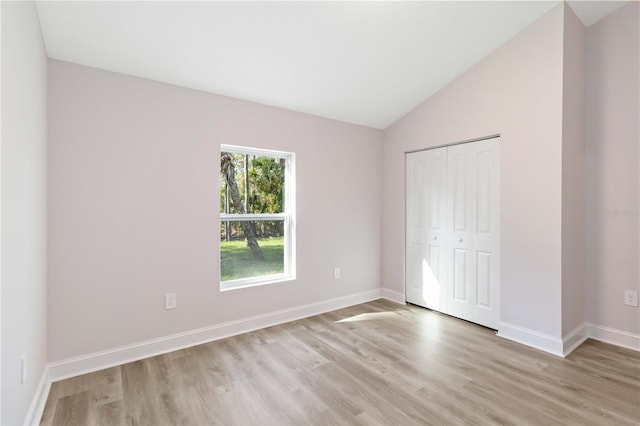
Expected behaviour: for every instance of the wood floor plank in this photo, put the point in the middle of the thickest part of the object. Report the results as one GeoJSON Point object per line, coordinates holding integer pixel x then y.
{"type": "Point", "coordinates": [106, 387]}
{"type": "Point", "coordinates": [374, 363]}
{"type": "Point", "coordinates": [109, 414]}
{"type": "Point", "coordinates": [72, 410]}
{"type": "Point", "coordinates": [138, 395]}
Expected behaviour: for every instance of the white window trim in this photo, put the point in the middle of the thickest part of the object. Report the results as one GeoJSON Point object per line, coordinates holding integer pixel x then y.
{"type": "Point", "coordinates": [288, 216]}
{"type": "Point", "coordinates": [232, 217]}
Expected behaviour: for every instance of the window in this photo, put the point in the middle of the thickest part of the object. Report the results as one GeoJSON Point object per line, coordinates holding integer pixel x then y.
{"type": "Point", "coordinates": [256, 217]}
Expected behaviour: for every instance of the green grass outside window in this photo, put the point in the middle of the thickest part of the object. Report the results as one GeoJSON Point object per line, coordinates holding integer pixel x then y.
{"type": "Point", "coordinates": [238, 262]}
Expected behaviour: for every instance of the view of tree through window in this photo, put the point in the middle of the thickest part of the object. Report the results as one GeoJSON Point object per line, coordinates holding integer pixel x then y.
{"type": "Point", "coordinates": [254, 218]}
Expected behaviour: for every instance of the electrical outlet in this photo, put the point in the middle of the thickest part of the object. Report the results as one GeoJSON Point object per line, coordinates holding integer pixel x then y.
{"type": "Point", "coordinates": [631, 298]}
{"type": "Point", "coordinates": [170, 301]}
{"type": "Point", "coordinates": [23, 369]}
{"type": "Point", "coordinates": [336, 273]}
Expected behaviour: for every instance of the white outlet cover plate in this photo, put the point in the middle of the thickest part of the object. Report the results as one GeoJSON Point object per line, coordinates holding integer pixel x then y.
{"type": "Point", "coordinates": [170, 301]}
{"type": "Point", "coordinates": [23, 369]}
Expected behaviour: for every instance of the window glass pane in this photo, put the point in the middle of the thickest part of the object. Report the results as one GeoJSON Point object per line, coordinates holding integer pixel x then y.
{"type": "Point", "coordinates": [245, 257]}
{"type": "Point", "coordinates": [266, 185]}
{"type": "Point", "coordinates": [255, 183]}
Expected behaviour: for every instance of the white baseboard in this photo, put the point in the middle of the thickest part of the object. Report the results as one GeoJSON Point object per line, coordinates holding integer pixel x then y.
{"type": "Point", "coordinates": [393, 296]}
{"type": "Point", "coordinates": [613, 336]}
{"type": "Point", "coordinates": [574, 339]}
{"type": "Point", "coordinates": [534, 339]}
{"type": "Point", "coordinates": [39, 399]}
{"type": "Point", "coordinates": [104, 359]}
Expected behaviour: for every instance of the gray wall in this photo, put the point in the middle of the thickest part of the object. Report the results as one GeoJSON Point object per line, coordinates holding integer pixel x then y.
{"type": "Point", "coordinates": [612, 180]}
{"type": "Point", "coordinates": [24, 207]}
{"type": "Point", "coordinates": [134, 205]}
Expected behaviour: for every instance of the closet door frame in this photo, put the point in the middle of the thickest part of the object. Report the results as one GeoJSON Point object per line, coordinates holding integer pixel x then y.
{"type": "Point", "coordinates": [472, 234]}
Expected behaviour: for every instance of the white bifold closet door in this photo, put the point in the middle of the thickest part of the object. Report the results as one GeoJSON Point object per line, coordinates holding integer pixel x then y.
{"type": "Point", "coordinates": [453, 230]}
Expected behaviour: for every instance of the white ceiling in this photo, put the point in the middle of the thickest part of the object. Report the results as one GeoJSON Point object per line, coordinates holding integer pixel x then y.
{"type": "Point", "coordinates": [367, 63]}
{"type": "Point", "coordinates": [591, 11]}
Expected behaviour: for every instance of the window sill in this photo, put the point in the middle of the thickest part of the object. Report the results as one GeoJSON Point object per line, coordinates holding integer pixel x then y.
{"type": "Point", "coordinates": [254, 282]}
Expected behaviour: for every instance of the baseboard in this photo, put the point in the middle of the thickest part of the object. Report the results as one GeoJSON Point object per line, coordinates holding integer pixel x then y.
{"type": "Point", "coordinates": [109, 358]}
{"type": "Point", "coordinates": [613, 336]}
{"type": "Point", "coordinates": [393, 296]}
{"type": "Point", "coordinates": [39, 399]}
{"type": "Point", "coordinates": [534, 339]}
{"type": "Point", "coordinates": [574, 339]}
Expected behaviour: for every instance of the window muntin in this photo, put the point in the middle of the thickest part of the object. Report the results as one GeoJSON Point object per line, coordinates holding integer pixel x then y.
{"type": "Point", "coordinates": [256, 209]}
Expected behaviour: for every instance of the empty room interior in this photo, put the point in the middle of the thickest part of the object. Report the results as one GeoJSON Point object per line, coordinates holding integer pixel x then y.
{"type": "Point", "coordinates": [266, 213]}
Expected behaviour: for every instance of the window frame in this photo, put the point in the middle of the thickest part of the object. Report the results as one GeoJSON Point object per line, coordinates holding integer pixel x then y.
{"type": "Point", "coordinates": [287, 216]}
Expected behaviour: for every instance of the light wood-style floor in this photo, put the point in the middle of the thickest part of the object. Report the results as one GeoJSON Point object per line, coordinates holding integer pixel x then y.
{"type": "Point", "coordinates": [375, 363]}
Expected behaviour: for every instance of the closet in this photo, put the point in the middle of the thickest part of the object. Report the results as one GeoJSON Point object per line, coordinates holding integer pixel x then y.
{"type": "Point", "coordinates": [453, 230]}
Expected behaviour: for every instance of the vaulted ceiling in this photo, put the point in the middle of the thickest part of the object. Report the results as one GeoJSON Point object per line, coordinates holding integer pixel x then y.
{"type": "Point", "coordinates": [366, 63]}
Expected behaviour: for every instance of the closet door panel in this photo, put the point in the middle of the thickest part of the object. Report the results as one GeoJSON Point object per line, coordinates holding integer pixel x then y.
{"type": "Point", "coordinates": [487, 233]}
{"type": "Point", "coordinates": [483, 194]}
{"type": "Point", "coordinates": [433, 290]}
{"type": "Point", "coordinates": [460, 278]}
{"type": "Point", "coordinates": [483, 280]}
{"type": "Point", "coordinates": [435, 263]}
{"type": "Point", "coordinates": [432, 185]}
{"type": "Point", "coordinates": [461, 209]}
{"type": "Point", "coordinates": [414, 233]}
{"type": "Point", "coordinates": [426, 228]}
{"type": "Point", "coordinates": [459, 178]}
